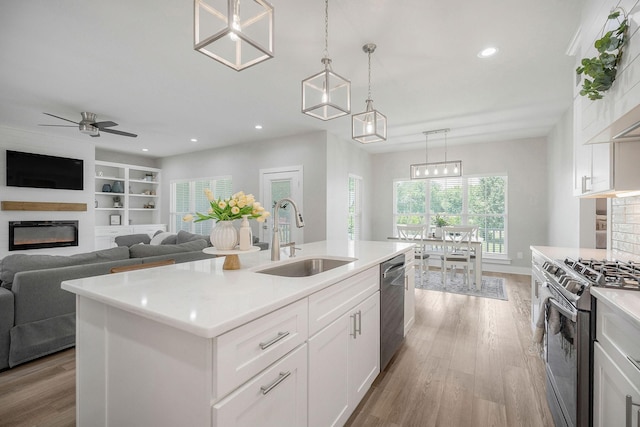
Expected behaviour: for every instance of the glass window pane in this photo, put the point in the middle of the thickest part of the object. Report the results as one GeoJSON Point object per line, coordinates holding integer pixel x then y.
{"type": "Point", "coordinates": [446, 196]}
{"type": "Point", "coordinates": [411, 197]}
{"type": "Point", "coordinates": [487, 195]}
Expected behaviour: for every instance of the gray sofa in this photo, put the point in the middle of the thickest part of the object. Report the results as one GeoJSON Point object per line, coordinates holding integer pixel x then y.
{"type": "Point", "coordinates": [37, 317]}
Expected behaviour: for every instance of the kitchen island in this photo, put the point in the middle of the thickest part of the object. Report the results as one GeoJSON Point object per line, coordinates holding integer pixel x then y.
{"type": "Point", "coordinates": [193, 344]}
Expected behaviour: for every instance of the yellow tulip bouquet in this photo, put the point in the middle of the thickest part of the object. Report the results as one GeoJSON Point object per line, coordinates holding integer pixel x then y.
{"type": "Point", "coordinates": [235, 207]}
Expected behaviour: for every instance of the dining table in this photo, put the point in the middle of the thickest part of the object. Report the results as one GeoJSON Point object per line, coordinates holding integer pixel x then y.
{"type": "Point", "coordinates": [436, 242]}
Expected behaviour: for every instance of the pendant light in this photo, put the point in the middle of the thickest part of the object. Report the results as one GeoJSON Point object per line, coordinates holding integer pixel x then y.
{"type": "Point", "coordinates": [238, 35]}
{"type": "Point", "coordinates": [326, 95]}
{"type": "Point", "coordinates": [444, 169]}
{"type": "Point", "coordinates": [370, 126]}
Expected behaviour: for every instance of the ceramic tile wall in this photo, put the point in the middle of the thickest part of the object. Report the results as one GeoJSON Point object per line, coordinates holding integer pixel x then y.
{"type": "Point", "coordinates": [625, 219]}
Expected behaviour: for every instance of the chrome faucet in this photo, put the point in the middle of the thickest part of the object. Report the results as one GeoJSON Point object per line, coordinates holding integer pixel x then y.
{"type": "Point", "coordinates": [275, 239]}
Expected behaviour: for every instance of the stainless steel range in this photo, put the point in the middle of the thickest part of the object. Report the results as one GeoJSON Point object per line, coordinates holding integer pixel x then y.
{"type": "Point", "coordinates": [570, 331]}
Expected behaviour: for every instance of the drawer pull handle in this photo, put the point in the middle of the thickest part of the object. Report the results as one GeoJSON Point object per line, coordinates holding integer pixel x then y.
{"type": "Point", "coordinates": [634, 362]}
{"type": "Point", "coordinates": [267, 388]}
{"type": "Point", "coordinates": [281, 335]}
{"type": "Point", "coordinates": [355, 326]}
{"type": "Point", "coordinates": [628, 415]}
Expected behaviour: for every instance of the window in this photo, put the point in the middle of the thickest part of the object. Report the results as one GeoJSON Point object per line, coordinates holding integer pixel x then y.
{"type": "Point", "coordinates": [478, 201]}
{"type": "Point", "coordinates": [354, 221]}
{"type": "Point", "coordinates": [188, 197]}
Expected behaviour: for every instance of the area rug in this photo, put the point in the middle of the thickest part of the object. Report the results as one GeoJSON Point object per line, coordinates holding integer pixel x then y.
{"type": "Point", "coordinates": [492, 287]}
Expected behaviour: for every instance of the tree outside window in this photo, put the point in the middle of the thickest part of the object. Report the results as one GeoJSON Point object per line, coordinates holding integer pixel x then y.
{"type": "Point", "coordinates": [477, 201]}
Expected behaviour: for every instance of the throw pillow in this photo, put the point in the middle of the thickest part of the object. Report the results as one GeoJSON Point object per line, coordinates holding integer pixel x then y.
{"type": "Point", "coordinates": [142, 251]}
{"type": "Point", "coordinates": [159, 238]}
{"type": "Point", "coordinates": [185, 236]}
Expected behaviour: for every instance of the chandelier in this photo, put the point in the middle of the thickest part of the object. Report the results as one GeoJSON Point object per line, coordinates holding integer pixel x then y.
{"type": "Point", "coordinates": [370, 126]}
{"type": "Point", "coordinates": [326, 95]}
{"type": "Point", "coordinates": [237, 35]}
{"type": "Point", "coordinates": [446, 169]}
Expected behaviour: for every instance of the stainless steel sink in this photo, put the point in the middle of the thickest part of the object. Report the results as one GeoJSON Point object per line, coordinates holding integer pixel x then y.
{"type": "Point", "coordinates": [306, 267]}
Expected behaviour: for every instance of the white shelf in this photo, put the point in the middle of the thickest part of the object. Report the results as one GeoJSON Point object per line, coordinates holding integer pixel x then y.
{"type": "Point", "coordinates": [134, 184]}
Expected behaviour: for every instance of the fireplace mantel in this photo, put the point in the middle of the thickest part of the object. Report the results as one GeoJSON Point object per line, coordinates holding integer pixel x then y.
{"type": "Point", "coordinates": [42, 206]}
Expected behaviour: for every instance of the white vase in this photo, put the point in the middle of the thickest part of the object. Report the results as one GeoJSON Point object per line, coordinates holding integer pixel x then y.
{"type": "Point", "coordinates": [246, 236]}
{"type": "Point", "coordinates": [224, 236]}
{"type": "Point", "coordinates": [438, 232]}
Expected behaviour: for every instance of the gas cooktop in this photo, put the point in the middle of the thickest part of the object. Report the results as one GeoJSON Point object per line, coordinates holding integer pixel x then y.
{"type": "Point", "coordinates": [609, 274]}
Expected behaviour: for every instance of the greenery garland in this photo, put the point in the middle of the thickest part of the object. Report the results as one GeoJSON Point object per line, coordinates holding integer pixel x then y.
{"type": "Point", "coordinates": [603, 68]}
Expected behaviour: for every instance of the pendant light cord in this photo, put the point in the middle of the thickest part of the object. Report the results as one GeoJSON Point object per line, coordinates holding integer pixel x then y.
{"type": "Point", "coordinates": [326, 28]}
{"type": "Point", "coordinates": [369, 95]}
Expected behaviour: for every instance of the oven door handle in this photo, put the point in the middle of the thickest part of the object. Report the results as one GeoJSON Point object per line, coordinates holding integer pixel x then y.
{"type": "Point", "coordinates": [573, 316]}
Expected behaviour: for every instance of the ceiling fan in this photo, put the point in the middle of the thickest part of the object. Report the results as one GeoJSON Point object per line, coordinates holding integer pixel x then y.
{"type": "Point", "coordinates": [88, 125]}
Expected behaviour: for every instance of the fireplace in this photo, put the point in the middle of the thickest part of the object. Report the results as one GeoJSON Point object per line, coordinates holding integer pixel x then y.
{"type": "Point", "coordinates": [42, 234]}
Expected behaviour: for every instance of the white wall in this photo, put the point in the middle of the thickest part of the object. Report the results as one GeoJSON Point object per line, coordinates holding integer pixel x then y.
{"type": "Point", "coordinates": [524, 162]}
{"type": "Point", "coordinates": [243, 162]}
{"type": "Point", "coordinates": [40, 143]}
{"type": "Point", "coordinates": [126, 158]}
{"type": "Point", "coordinates": [344, 158]}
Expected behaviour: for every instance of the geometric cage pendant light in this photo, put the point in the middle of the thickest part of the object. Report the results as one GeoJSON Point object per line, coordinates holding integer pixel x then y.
{"type": "Point", "coordinates": [326, 95]}
{"type": "Point", "coordinates": [236, 34]}
{"type": "Point", "coordinates": [370, 126]}
{"type": "Point", "coordinates": [428, 170]}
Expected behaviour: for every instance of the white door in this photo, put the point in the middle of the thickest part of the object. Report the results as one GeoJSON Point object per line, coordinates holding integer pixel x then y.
{"type": "Point", "coordinates": [276, 184]}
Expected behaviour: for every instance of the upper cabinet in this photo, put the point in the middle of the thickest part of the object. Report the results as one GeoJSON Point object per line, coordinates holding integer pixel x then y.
{"type": "Point", "coordinates": [601, 120]}
{"type": "Point", "coordinates": [126, 194]}
{"type": "Point", "coordinates": [605, 170]}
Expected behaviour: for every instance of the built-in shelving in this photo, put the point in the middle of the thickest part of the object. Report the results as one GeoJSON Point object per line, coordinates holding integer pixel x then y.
{"type": "Point", "coordinates": [139, 199]}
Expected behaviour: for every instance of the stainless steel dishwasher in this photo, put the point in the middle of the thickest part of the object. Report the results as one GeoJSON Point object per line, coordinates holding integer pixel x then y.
{"type": "Point", "coordinates": [391, 308]}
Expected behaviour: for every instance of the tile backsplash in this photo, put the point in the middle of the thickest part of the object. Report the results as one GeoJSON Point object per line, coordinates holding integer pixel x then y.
{"type": "Point", "coordinates": [625, 219]}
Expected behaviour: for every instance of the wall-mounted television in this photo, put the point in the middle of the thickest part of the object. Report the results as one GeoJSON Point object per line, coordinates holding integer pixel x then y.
{"type": "Point", "coordinates": [42, 171]}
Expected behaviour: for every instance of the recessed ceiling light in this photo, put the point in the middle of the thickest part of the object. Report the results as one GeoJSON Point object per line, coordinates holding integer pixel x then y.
{"type": "Point", "coordinates": [145, 149]}
{"type": "Point", "coordinates": [193, 140]}
{"type": "Point", "coordinates": [490, 51]}
{"type": "Point", "coordinates": [258, 126]}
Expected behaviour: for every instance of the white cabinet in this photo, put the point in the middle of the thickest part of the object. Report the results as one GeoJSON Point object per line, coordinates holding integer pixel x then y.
{"type": "Point", "coordinates": [409, 291]}
{"type": "Point", "coordinates": [275, 398]}
{"type": "Point", "coordinates": [611, 388]}
{"type": "Point", "coordinates": [126, 194]}
{"type": "Point", "coordinates": [601, 169]}
{"type": "Point", "coordinates": [344, 357]}
{"type": "Point", "coordinates": [616, 368]}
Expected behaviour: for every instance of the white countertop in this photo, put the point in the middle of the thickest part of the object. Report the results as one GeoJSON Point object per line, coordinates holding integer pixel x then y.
{"type": "Point", "coordinates": [202, 298]}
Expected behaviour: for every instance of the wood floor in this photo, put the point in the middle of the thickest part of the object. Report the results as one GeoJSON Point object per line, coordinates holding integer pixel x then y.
{"type": "Point", "coordinates": [467, 362]}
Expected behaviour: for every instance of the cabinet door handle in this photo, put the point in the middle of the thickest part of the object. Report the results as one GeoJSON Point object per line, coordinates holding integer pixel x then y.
{"type": "Point", "coordinates": [359, 330]}
{"type": "Point", "coordinates": [628, 415]}
{"type": "Point", "coordinates": [355, 326]}
{"type": "Point", "coordinates": [281, 335]}
{"type": "Point", "coordinates": [584, 183]}
{"type": "Point", "coordinates": [267, 388]}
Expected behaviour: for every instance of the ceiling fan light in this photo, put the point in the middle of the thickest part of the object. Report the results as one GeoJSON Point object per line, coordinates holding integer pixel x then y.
{"type": "Point", "coordinates": [248, 25]}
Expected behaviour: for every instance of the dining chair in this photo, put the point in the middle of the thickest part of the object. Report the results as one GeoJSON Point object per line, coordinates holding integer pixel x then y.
{"type": "Point", "coordinates": [416, 233]}
{"type": "Point", "coordinates": [457, 252]}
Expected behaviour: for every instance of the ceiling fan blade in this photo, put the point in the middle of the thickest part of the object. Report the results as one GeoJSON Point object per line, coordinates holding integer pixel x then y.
{"type": "Point", "coordinates": [61, 118]}
{"type": "Point", "coordinates": [118, 132]}
{"type": "Point", "coordinates": [102, 125]}
{"type": "Point", "coordinates": [61, 126]}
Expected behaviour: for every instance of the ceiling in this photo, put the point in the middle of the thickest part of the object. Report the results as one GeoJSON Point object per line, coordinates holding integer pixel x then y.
{"type": "Point", "coordinates": [133, 62]}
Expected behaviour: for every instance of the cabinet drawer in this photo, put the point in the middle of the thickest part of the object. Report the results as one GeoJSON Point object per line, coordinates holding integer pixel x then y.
{"type": "Point", "coordinates": [243, 352]}
{"type": "Point", "coordinates": [330, 303]}
{"type": "Point", "coordinates": [620, 339]}
{"type": "Point", "coordinates": [275, 398]}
